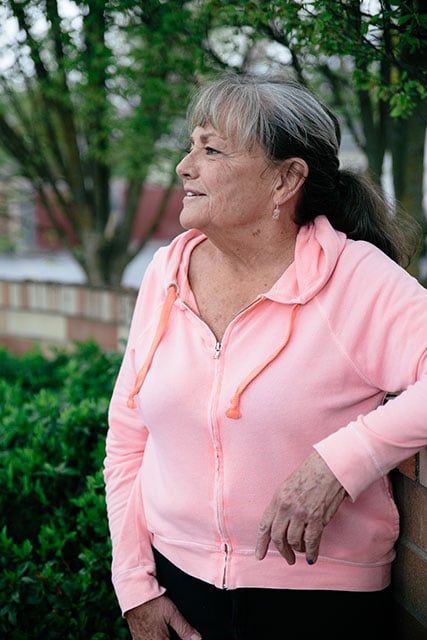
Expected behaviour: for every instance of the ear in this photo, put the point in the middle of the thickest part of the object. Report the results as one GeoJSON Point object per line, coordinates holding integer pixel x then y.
{"type": "Point", "coordinates": [292, 175]}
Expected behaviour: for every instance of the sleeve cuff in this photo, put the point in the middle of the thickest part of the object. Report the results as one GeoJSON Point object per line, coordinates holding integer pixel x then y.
{"type": "Point", "coordinates": [135, 587]}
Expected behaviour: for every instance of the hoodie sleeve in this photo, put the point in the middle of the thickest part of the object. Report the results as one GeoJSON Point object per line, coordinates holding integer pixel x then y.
{"type": "Point", "coordinates": [133, 567]}
{"type": "Point", "coordinates": [384, 332]}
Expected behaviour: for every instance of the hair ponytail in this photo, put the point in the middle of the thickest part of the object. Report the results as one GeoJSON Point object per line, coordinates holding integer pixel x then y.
{"type": "Point", "coordinates": [356, 207]}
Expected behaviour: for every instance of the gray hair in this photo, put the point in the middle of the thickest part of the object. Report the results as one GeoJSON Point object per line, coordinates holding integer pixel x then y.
{"type": "Point", "coordinates": [280, 115]}
{"type": "Point", "coordinates": [288, 121]}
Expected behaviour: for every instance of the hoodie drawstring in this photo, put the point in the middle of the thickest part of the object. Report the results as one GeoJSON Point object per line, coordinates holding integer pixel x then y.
{"type": "Point", "coordinates": [233, 411]}
{"type": "Point", "coordinates": [163, 320]}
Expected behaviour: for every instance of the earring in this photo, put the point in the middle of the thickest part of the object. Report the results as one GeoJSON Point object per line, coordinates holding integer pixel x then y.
{"type": "Point", "coordinates": [276, 212]}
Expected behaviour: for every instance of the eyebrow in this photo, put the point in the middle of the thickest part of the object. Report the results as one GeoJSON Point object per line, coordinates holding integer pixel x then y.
{"type": "Point", "coordinates": [204, 137]}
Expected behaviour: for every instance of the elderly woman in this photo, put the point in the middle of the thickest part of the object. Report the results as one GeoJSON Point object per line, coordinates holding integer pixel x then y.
{"type": "Point", "coordinates": [249, 442]}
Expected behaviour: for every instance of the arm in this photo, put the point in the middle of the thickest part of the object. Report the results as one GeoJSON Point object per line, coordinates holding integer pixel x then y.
{"type": "Point", "coordinates": [133, 568]}
{"type": "Point", "coordinates": [148, 612]}
{"type": "Point", "coordinates": [390, 347]}
{"type": "Point", "coordinates": [387, 341]}
{"type": "Point", "coordinates": [374, 444]}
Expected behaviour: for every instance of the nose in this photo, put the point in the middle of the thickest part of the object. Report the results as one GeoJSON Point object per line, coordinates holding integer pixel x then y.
{"type": "Point", "coordinates": [186, 167]}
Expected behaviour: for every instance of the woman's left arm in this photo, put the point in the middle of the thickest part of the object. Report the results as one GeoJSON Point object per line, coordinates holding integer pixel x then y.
{"type": "Point", "coordinates": [308, 499]}
{"type": "Point", "coordinates": [349, 460]}
{"type": "Point", "coordinates": [389, 347]}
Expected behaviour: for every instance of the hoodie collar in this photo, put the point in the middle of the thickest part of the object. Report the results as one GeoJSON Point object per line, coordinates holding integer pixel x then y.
{"type": "Point", "coordinates": [318, 247]}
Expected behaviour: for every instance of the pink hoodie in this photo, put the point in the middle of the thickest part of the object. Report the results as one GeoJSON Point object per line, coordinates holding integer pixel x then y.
{"type": "Point", "coordinates": [201, 434]}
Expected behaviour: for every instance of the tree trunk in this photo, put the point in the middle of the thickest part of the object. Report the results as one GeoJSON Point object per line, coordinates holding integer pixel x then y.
{"type": "Point", "coordinates": [407, 146]}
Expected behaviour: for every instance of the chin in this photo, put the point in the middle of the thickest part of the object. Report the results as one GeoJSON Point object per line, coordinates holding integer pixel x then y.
{"type": "Point", "coordinates": [188, 221]}
{"type": "Point", "coordinates": [185, 224]}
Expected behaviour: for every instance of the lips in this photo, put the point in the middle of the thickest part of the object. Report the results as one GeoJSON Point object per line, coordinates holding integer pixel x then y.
{"type": "Point", "coordinates": [191, 193]}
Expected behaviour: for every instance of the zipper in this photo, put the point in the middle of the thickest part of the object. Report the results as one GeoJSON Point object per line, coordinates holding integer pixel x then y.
{"type": "Point", "coordinates": [227, 550]}
{"type": "Point", "coordinates": [219, 470]}
{"type": "Point", "coordinates": [219, 498]}
{"type": "Point", "coordinates": [217, 350]}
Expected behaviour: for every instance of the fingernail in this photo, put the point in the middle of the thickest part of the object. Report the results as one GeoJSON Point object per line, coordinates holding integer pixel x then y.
{"type": "Point", "coordinates": [195, 636]}
{"type": "Point", "coordinates": [310, 561]}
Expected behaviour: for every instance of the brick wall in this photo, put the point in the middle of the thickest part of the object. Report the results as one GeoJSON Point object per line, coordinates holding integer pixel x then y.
{"type": "Point", "coordinates": [57, 314]}
{"type": "Point", "coordinates": [410, 566]}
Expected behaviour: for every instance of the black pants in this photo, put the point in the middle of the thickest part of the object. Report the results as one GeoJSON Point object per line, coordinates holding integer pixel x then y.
{"type": "Point", "coordinates": [276, 614]}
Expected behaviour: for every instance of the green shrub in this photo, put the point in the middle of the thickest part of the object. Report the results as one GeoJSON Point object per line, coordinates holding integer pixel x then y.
{"type": "Point", "coordinates": [55, 551]}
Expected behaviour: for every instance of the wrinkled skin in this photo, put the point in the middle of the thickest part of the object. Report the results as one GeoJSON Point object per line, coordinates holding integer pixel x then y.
{"type": "Point", "coordinates": [151, 621]}
{"type": "Point", "coordinates": [300, 509]}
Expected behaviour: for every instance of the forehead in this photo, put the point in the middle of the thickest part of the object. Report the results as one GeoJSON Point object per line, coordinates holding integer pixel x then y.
{"type": "Point", "coordinates": [205, 133]}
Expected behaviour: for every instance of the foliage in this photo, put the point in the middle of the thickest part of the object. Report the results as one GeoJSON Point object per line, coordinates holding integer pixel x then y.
{"type": "Point", "coordinates": [367, 59]}
{"type": "Point", "coordinates": [54, 541]}
{"type": "Point", "coordinates": [94, 90]}
{"type": "Point", "coordinates": [382, 41]}
{"type": "Point", "coordinates": [90, 91]}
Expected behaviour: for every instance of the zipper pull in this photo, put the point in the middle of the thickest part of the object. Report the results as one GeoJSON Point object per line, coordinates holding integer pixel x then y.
{"type": "Point", "coordinates": [217, 351]}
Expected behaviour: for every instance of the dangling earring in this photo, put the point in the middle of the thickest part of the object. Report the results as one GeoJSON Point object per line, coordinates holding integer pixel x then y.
{"type": "Point", "coordinates": [276, 212]}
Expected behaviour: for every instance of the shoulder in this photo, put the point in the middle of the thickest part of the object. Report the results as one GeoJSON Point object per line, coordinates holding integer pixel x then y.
{"type": "Point", "coordinates": [366, 282]}
{"type": "Point", "coordinates": [367, 265]}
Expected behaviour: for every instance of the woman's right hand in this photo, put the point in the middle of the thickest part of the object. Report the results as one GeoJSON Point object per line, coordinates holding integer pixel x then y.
{"type": "Point", "coordinates": [151, 621]}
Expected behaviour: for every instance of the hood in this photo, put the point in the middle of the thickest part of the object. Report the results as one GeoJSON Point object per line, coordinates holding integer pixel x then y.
{"type": "Point", "coordinates": [317, 249]}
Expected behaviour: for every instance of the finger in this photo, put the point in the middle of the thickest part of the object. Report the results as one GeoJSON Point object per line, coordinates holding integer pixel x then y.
{"type": "Point", "coordinates": [295, 536]}
{"type": "Point", "coordinates": [182, 627]}
{"type": "Point", "coordinates": [283, 547]}
{"type": "Point", "coordinates": [279, 530]}
{"type": "Point", "coordinates": [312, 538]}
{"type": "Point", "coordinates": [263, 540]}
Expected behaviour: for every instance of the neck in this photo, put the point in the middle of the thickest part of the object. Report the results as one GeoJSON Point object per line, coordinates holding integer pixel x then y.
{"type": "Point", "coordinates": [258, 249]}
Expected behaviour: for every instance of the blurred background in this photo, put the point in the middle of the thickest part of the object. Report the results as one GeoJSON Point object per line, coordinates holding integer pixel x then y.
{"type": "Point", "coordinates": [93, 98]}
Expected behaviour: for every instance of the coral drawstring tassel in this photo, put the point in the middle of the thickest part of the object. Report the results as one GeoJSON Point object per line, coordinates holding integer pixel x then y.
{"type": "Point", "coordinates": [233, 410]}
{"type": "Point", "coordinates": [164, 317]}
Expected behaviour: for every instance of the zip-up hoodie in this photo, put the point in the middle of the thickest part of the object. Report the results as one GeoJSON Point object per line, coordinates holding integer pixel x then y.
{"type": "Point", "coordinates": [201, 434]}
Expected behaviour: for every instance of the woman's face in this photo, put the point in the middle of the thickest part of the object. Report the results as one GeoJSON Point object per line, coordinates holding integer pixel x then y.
{"type": "Point", "coordinates": [226, 186]}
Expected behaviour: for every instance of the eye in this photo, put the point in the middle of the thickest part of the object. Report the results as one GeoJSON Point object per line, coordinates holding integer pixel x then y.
{"type": "Point", "coordinates": [210, 151]}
